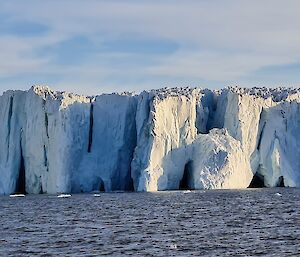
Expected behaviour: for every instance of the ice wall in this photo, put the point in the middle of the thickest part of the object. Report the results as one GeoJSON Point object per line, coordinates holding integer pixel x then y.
{"type": "Point", "coordinates": [169, 125]}
{"type": "Point", "coordinates": [53, 135]}
{"type": "Point", "coordinates": [105, 165]}
{"type": "Point", "coordinates": [11, 140]}
{"type": "Point", "coordinates": [180, 138]}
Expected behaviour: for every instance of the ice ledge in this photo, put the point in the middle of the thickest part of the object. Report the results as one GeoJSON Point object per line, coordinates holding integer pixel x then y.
{"type": "Point", "coordinates": [277, 94]}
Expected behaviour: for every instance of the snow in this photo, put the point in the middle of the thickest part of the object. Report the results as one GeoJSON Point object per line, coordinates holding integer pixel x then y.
{"type": "Point", "coordinates": [170, 138]}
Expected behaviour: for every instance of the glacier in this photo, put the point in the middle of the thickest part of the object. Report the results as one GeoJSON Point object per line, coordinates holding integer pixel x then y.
{"type": "Point", "coordinates": [164, 139]}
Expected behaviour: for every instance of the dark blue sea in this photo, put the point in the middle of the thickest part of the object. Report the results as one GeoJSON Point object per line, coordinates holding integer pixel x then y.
{"type": "Point", "coordinates": [252, 222]}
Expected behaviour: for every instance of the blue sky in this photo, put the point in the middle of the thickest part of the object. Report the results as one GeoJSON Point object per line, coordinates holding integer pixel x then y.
{"type": "Point", "coordinates": [99, 46]}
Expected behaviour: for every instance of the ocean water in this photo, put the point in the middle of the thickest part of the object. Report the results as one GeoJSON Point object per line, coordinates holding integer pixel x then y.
{"type": "Point", "coordinates": [253, 222]}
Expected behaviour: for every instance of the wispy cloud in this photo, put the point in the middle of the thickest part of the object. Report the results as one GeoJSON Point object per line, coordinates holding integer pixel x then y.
{"type": "Point", "coordinates": [133, 45]}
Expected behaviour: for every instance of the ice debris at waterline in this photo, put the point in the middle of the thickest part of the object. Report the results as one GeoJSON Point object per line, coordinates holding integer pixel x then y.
{"type": "Point", "coordinates": [17, 195]}
{"type": "Point", "coordinates": [64, 196]}
{"type": "Point", "coordinates": [180, 138]}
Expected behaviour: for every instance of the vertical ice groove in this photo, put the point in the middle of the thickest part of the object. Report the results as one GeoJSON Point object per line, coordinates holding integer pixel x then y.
{"type": "Point", "coordinates": [46, 124]}
{"type": "Point", "coordinates": [45, 158]}
{"type": "Point", "coordinates": [10, 112]}
{"type": "Point", "coordinates": [21, 180]}
{"type": "Point", "coordinates": [46, 118]}
{"type": "Point", "coordinates": [91, 128]}
{"type": "Point", "coordinates": [260, 136]}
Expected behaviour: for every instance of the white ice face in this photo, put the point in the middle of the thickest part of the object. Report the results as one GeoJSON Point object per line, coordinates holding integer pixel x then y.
{"type": "Point", "coordinates": [56, 142]}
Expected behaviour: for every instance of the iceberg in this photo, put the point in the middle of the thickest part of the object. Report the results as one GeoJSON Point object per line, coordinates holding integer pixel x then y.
{"type": "Point", "coordinates": [165, 139]}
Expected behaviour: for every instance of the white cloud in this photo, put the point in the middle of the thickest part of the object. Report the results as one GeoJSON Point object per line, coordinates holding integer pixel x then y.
{"type": "Point", "coordinates": [218, 40]}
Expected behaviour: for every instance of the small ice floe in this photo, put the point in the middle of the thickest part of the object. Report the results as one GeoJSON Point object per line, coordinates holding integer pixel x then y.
{"type": "Point", "coordinates": [17, 195]}
{"type": "Point", "coordinates": [278, 194]}
{"type": "Point", "coordinates": [64, 196]}
{"type": "Point", "coordinates": [173, 246]}
{"type": "Point", "coordinates": [96, 195]}
{"type": "Point", "coordinates": [187, 191]}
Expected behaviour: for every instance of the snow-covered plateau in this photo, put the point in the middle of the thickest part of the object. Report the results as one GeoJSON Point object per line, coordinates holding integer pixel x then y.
{"type": "Point", "coordinates": [165, 139]}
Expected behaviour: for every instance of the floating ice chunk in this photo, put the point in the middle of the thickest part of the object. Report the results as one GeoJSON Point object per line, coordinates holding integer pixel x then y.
{"type": "Point", "coordinates": [17, 195]}
{"type": "Point", "coordinates": [64, 196]}
{"type": "Point", "coordinates": [278, 194]}
{"type": "Point", "coordinates": [173, 246]}
{"type": "Point", "coordinates": [96, 195]}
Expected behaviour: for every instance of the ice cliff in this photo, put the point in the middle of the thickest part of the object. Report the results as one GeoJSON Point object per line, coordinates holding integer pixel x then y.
{"type": "Point", "coordinates": [179, 138]}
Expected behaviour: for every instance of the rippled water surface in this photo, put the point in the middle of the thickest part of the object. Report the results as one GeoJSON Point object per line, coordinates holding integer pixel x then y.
{"type": "Point", "coordinates": [259, 222]}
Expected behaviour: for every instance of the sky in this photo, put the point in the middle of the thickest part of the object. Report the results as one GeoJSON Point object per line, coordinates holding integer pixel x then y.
{"type": "Point", "coordinates": [97, 46]}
